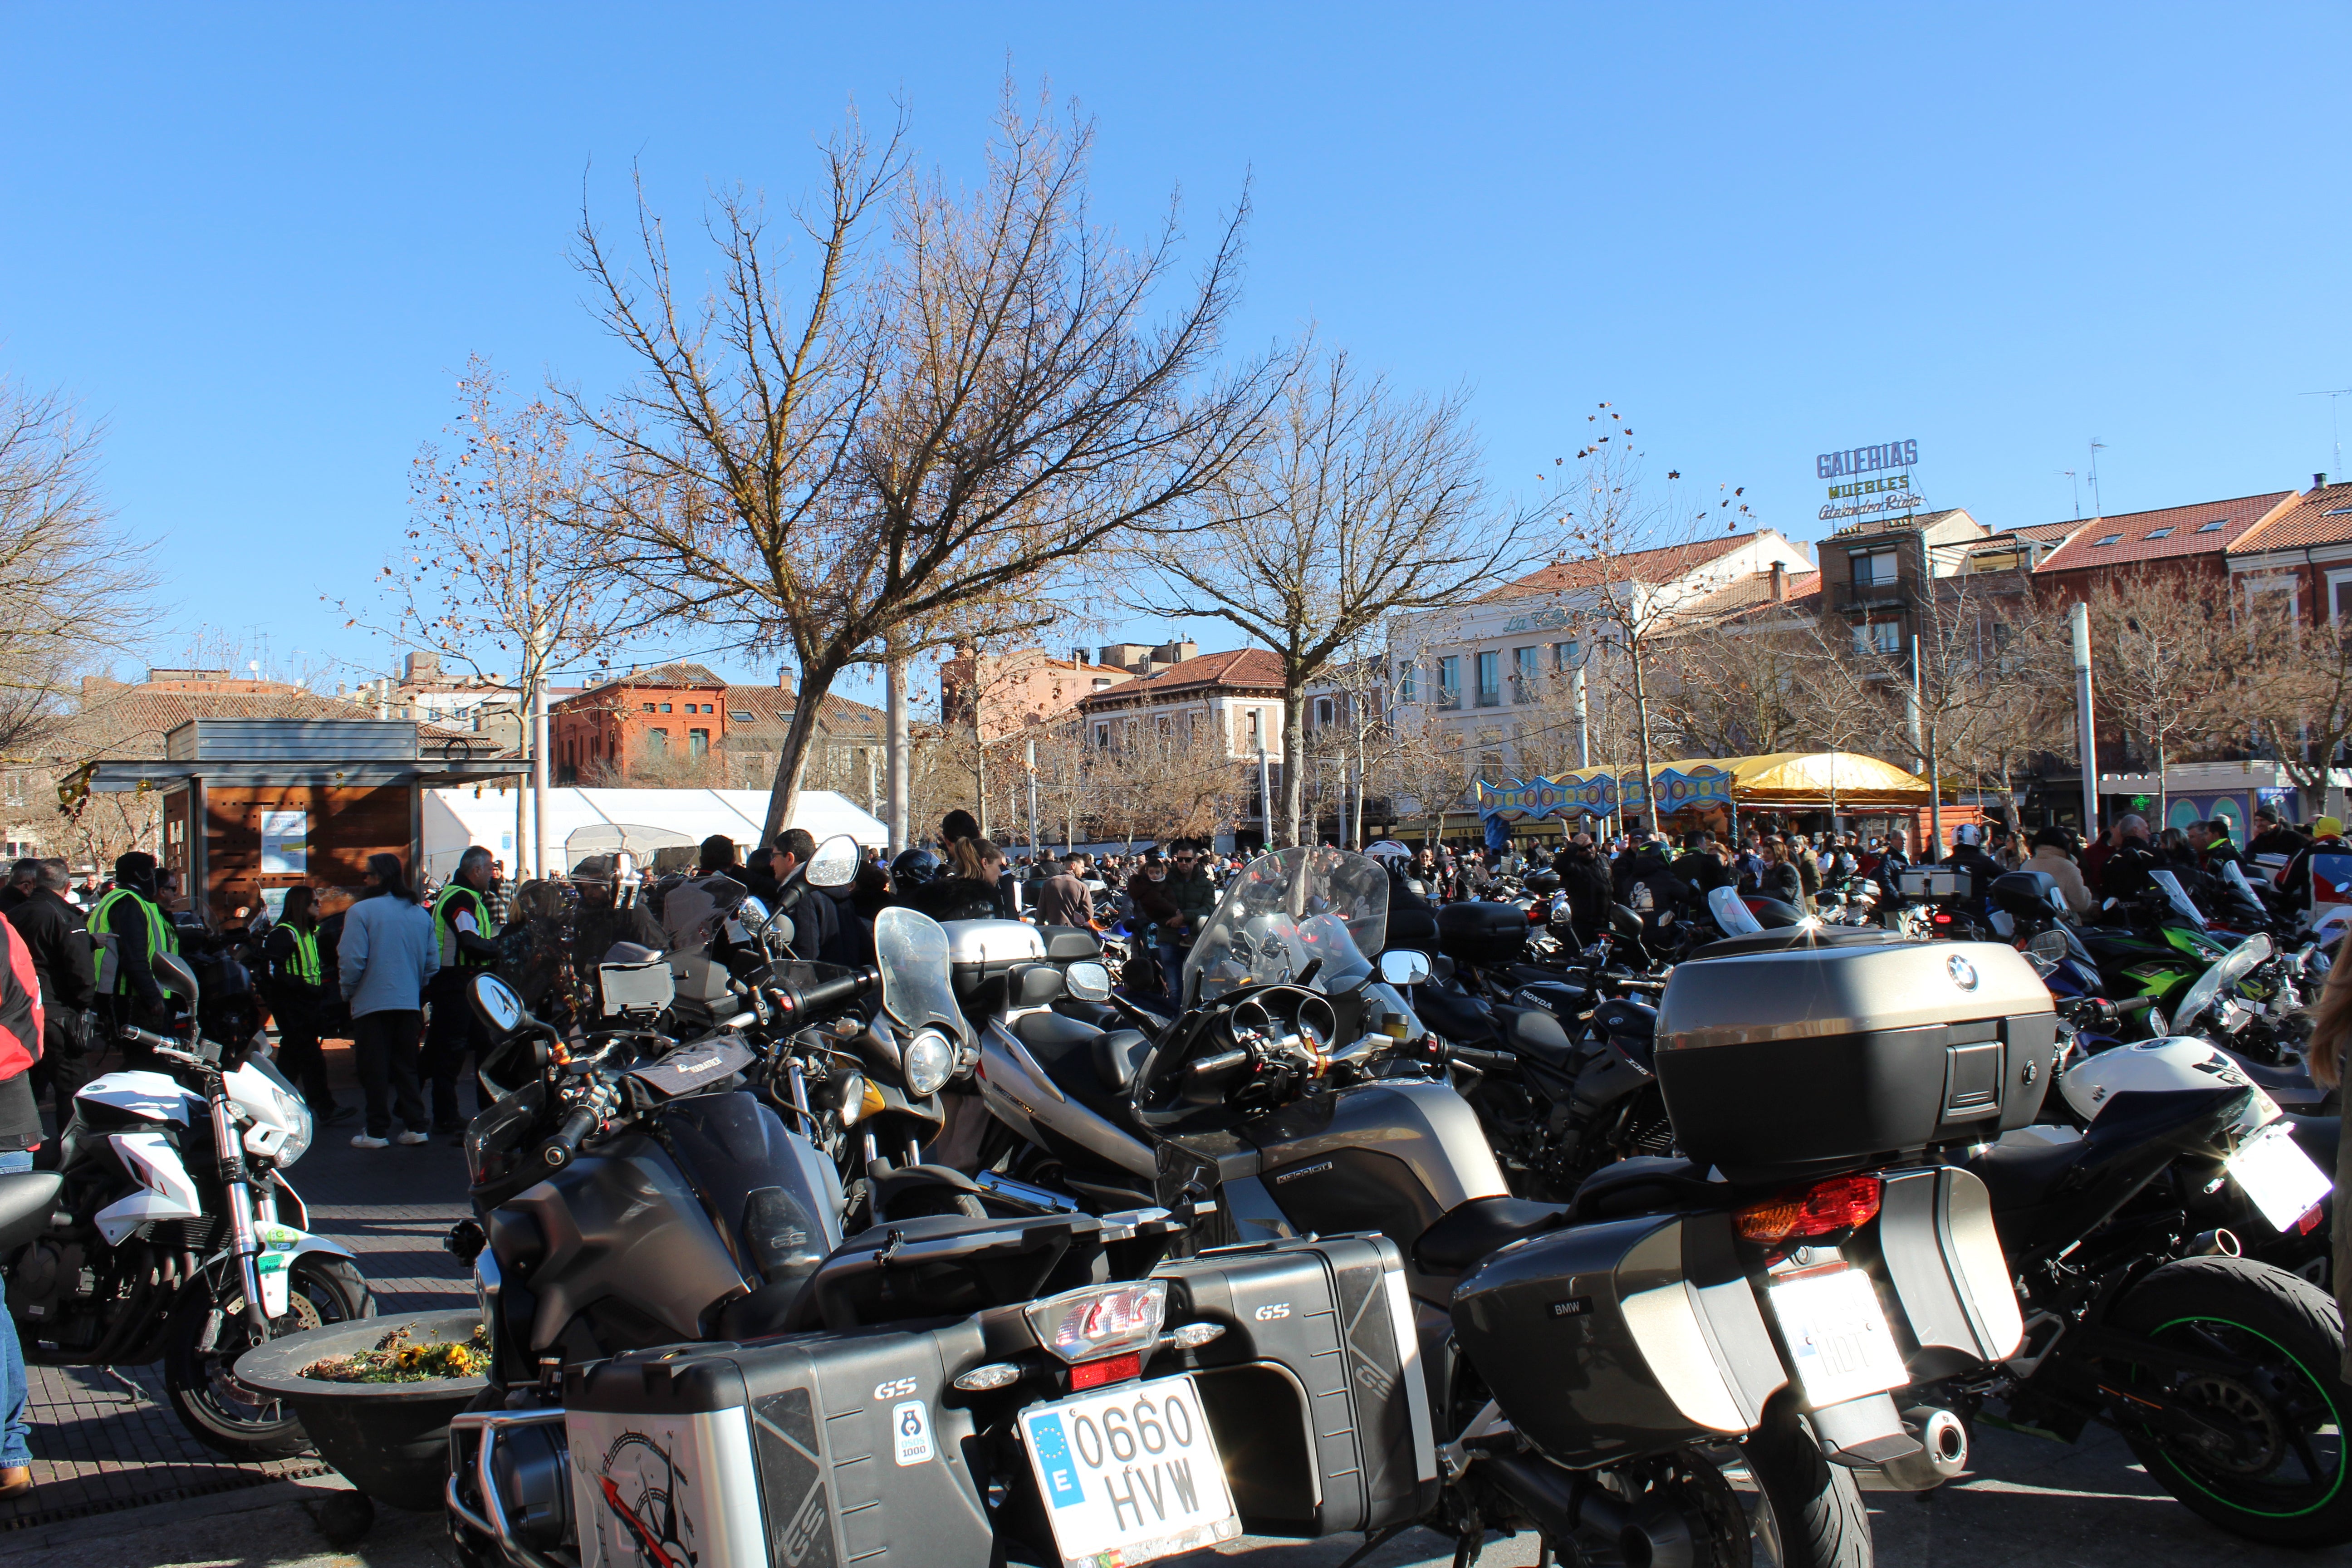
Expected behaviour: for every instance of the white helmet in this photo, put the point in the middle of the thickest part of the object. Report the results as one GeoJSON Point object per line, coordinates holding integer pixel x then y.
{"type": "Point", "coordinates": [2165, 1065]}
{"type": "Point", "coordinates": [1389, 853]}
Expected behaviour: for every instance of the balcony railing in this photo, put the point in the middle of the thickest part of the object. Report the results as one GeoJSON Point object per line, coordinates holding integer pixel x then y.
{"type": "Point", "coordinates": [1851, 597]}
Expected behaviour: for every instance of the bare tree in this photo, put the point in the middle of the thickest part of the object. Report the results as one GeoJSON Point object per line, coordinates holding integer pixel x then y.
{"type": "Point", "coordinates": [77, 586]}
{"type": "Point", "coordinates": [852, 464]}
{"type": "Point", "coordinates": [1734, 687]}
{"type": "Point", "coordinates": [492, 564]}
{"type": "Point", "coordinates": [1634, 538]}
{"type": "Point", "coordinates": [2292, 695]}
{"type": "Point", "coordinates": [1358, 504]}
{"type": "Point", "coordinates": [2164, 647]}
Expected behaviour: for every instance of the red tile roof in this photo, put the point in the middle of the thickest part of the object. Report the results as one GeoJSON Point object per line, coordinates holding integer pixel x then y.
{"type": "Point", "coordinates": [2178, 531]}
{"type": "Point", "coordinates": [1647, 566]}
{"type": "Point", "coordinates": [1255, 668]}
{"type": "Point", "coordinates": [2322, 516]}
{"type": "Point", "coordinates": [1744, 593]}
{"type": "Point", "coordinates": [125, 721]}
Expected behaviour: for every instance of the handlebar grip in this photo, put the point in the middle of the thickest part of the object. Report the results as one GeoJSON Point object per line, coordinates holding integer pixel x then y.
{"type": "Point", "coordinates": [2133, 1004]}
{"type": "Point", "coordinates": [1484, 1061]}
{"type": "Point", "coordinates": [562, 1146]}
{"type": "Point", "coordinates": [140, 1036]}
{"type": "Point", "coordinates": [829, 996]}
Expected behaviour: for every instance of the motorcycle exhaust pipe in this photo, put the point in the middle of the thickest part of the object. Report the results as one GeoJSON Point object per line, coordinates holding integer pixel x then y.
{"type": "Point", "coordinates": [1562, 1504]}
{"type": "Point", "coordinates": [2216, 1243]}
{"type": "Point", "coordinates": [1943, 1454]}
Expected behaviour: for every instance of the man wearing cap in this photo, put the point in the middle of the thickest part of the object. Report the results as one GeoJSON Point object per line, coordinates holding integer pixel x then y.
{"type": "Point", "coordinates": [2273, 836]}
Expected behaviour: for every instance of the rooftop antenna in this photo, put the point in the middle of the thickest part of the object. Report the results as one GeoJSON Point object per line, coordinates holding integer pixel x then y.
{"type": "Point", "coordinates": [2334, 427]}
{"type": "Point", "coordinates": [2069, 474]}
{"type": "Point", "coordinates": [2098, 502]}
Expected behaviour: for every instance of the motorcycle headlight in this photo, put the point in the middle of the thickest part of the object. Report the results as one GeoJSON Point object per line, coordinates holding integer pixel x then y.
{"type": "Point", "coordinates": [929, 1060]}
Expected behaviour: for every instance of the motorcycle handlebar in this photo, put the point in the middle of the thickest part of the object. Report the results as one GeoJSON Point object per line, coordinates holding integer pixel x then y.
{"type": "Point", "coordinates": [828, 996]}
{"type": "Point", "coordinates": [562, 1145]}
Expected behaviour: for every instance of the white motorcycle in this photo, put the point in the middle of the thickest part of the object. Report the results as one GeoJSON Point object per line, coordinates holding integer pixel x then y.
{"type": "Point", "coordinates": [168, 1229]}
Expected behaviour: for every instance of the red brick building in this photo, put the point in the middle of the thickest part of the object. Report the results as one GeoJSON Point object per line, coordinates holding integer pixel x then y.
{"type": "Point", "coordinates": [2193, 540]}
{"type": "Point", "coordinates": [681, 724]}
{"type": "Point", "coordinates": [2303, 550]}
{"type": "Point", "coordinates": [674, 709]}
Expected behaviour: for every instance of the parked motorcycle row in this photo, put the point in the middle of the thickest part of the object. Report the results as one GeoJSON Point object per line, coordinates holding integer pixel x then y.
{"type": "Point", "coordinates": [1664, 1245]}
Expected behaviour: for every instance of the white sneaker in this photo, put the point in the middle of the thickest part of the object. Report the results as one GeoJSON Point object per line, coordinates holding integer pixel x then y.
{"type": "Point", "coordinates": [361, 1141]}
{"type": "Point", "coordinates": [410, 1135]}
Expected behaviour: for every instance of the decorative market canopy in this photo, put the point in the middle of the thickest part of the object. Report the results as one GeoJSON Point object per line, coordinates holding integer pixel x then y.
{"type": "Point", "coordinates": [1784, 779]}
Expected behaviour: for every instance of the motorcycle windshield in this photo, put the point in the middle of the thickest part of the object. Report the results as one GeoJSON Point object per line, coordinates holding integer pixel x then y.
{"type": "Point", "coordinates": [1732, 915]}
{"type": "Point", "coordinates": [693, 909]}
{"type": "Point", "coordinates": [911, 950]}
{"type": "Point", "coordinates": [658, 851]}
{"type": "Point", "coordinates": [1284, 911]}
{"type": "Point", "coordinates": [2177, 897]}
{"type": "Point", "coordinates": [2235, 875]}
{"type": "Point", "coordinates": [2242, 961]}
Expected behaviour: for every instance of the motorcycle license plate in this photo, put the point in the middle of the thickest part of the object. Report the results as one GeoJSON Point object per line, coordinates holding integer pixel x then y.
{"type": "Point", "coordinates": [1837, 1335]}
{"type": "Point", "coordinates": [2284, 1182]}
{"type": "Point", "coordinates": [1130, 1473]}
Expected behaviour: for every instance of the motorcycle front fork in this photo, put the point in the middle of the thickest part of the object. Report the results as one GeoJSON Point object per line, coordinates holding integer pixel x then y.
{"type": "Point", "coordinates": [236, 1192]}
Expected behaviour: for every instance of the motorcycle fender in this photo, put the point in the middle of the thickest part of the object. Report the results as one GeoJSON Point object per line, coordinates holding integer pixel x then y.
{"type": "Point", "coordinates": [280, 1246]}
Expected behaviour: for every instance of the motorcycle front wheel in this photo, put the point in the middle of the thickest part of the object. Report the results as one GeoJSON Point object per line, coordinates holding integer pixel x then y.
{"type": "Point", "coordinates": [2267, 1459]}
{"type": "Point", "coordinates": [223, 1413]}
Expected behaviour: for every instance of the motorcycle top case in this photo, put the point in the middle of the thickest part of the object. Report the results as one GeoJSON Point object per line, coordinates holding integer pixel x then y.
{"type": "Point", "coordinates": [810, 1452]}
{"type": "Point", "coordinates": [1482, 934]}
{"type": "Point", "coordinates": [982, 950]}
{"type": "Point", "coordinates": [1781, 1065]}
{"type": "Point", "coordinates": [1315, 1390]}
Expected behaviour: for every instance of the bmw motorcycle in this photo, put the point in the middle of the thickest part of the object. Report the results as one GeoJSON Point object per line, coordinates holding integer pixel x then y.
{"type": "Point", "coordinates": [168, 1229]}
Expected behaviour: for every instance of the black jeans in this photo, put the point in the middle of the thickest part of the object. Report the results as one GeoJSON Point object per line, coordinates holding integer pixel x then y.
{"type": "Point", "coordinates": [300, 1058]}
{"type": "Point", "coordinates": [385, 1045]}
{"type": "Point", "coordinates": [453, 1032]}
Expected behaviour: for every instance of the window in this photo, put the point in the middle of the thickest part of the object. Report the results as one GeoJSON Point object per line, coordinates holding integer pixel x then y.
{"type": "Point", "coordinates": [1878, 636]}
{"type": "Point", "coordinates": [1490, 679]}
{"type": "Point", "coordinates": [1449, 681]}
{"type": "Point", "coordinates": [2110, 539]}
{"type": "Point", "coordinates": [665, 707]}
{"type": "Point", "coordinates": [1102, 737]}
{"type": "Point", "coordinates": [698, 742]}
{"type": "Point", "coordinates": [1523, 674]}
{"type": "Point", "coordinates": [1563, 658]}
{"type": "Point", "coordinates": [1322, 713]}
{"type": "Point", "coordinates": [1408, 675]}
{"type": "Point", "coordinates": [742, 716]}
{"type": "Point", "coordinates": [2159, 533]}
{"type": "Point", "coordinates": [2216, 526]}
{"type": "Point", "coordinates": [15, 789]}
{"type": "Point", "coordinates": [784, 715]}
{"type": "Point", "coordinates": [649, 707]}
{"type": "Point", "coordinates": [1256, 734]}
{"type": "Point", "coordinates": [658, 740]}
{"type": "Point", "coordinates": [2337, 511]}
{"type": "Point", "coordinates": [2340, 597]}
{"type": "Point", "coordinates": [1877, 568]}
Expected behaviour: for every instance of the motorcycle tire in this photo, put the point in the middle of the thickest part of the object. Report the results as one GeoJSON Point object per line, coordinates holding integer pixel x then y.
{"type": "Point", "coordinates": [219, 1411]}
{"type": "Point", "coordinates": [1816, 1517]}
{"type": "Point", "coordinates": [2289, 1334]}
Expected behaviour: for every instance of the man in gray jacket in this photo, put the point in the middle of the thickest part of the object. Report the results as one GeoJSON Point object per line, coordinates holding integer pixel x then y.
{"type": "Point", "coordinates": [386, 956]}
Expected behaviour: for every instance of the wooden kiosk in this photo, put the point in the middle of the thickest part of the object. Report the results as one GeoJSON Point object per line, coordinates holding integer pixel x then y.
{"type": "Point", "coordinates": [255, 807]}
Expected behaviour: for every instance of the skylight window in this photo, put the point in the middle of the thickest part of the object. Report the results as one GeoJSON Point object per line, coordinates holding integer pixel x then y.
{"type": "Point", "coordinates": [2213, 527]}
{"type": "Point", "coordinates": [2160, 533]}
{"type": "Point", "coordinates": [2110, 539]}
{"type": "Point", "coordinates": [2338, 511]}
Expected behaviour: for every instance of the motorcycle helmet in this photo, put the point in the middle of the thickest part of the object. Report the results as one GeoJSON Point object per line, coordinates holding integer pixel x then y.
{"type": "Point", "coordinates": [1389, 853]}
{"type": "Point", "coordinates": [2167, 1064]}
{"type": "Point", "coordinates": [916, 867]}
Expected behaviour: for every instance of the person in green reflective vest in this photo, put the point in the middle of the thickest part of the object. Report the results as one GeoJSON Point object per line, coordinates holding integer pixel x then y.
{"type": "Point", "coordinates": [297, 999]}
{"type": "Point", "coordinates": [462, 926]}
{"type": "Point", "coordinates": [133, 916]}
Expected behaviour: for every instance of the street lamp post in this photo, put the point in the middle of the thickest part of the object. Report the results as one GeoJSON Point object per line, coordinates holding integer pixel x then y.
{"type": "Point", "coordinates": [2078, 622]}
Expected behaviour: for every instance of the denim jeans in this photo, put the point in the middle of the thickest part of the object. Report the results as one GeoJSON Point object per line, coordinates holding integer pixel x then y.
{"type": "Point", "coordinates": [14, 1450]}
{"type": "Point", "coordinates": [1171, 967]}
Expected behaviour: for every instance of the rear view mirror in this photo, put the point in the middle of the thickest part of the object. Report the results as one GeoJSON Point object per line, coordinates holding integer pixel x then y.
{"type": "Point", "coordinates": [2049, 944]}
{"type": "Point", "coordinates": [1086, 981]}
{"type": "Point", "coordinates": [835, 864]}
{"type": "Point", "coordinates": [173, 974]}
{"type": "Point", "coordinates": [1404, 966]}
{"type": "Point", "coordinates": [496, 1003]}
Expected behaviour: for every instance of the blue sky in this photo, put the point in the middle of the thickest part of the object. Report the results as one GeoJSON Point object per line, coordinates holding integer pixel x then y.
{"type": "Point", "coordinates": [261, 241]}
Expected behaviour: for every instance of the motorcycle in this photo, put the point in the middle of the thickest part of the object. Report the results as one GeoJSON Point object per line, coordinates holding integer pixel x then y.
{"type": "Point", "coordinates": [168, 1229]}
{"type": "Point", "coordinates": [2224, 1375]}
{"type": "Point", "coordinates": [1297, 1096]}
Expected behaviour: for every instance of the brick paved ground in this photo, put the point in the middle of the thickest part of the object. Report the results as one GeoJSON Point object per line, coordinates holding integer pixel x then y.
{"type": "Point", "coordinates": [103, 1441]}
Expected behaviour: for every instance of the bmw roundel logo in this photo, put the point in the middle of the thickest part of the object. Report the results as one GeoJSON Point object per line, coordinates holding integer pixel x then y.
{"type": "Point", "coordinates": [1963, 973]}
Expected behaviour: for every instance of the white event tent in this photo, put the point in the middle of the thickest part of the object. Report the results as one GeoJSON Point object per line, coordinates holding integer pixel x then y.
{"type": "Point", "coordinates": [455, 818]}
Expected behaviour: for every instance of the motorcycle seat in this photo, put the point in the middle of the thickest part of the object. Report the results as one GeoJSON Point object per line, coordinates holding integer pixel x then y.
{"type": "Point", "coordinates": [1118, 1056]}
{"type": "Point", "coordinates": [1468, 1232]}
{"type": "Point", "coordinates": [1533, 1032]}
{"type": "Point", "coordinates": [1634, 1186]}
{"type": "Point", "coordinates": [25, 1199]}
{"type": "Point", "coordinates": [2020, 1174]}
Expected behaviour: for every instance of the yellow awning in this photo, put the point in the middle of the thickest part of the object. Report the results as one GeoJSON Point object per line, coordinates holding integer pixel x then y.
{"type": "Point", "coordinates": [1814, 778]}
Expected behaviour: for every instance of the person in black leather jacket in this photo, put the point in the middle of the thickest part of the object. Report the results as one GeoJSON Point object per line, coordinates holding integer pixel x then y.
{"type": "Point", "coordinates": [1590, 889]}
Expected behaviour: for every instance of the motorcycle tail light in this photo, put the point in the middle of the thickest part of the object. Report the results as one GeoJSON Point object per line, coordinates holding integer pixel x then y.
{"type": "Point", "coordinates": [1100, 1320]}
{"type": "Point", "coordinates": [1842, 1203]}
{"type": "Point", "coordinates": [1111, 1369]}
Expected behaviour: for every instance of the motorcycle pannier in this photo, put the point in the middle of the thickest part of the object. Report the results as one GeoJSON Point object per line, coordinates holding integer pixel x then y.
{"type": "Point", "coordinates": [1633, 1336]}
{"type": "Point", "coordinates": [814, 1452]}
{"type": "Point", "coordinates": [1777, 1066]}
{"type": "Point", "coordinates": [1482, 933]}
{"type": "Point", "coordinates": [1315, 1390]}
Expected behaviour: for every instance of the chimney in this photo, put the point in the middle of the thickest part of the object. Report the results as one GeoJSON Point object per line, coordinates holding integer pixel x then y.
{"type": "Point", "coordinates": [1780, 581]}
{"type": "Point", "coordinates": [2319, 481]}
